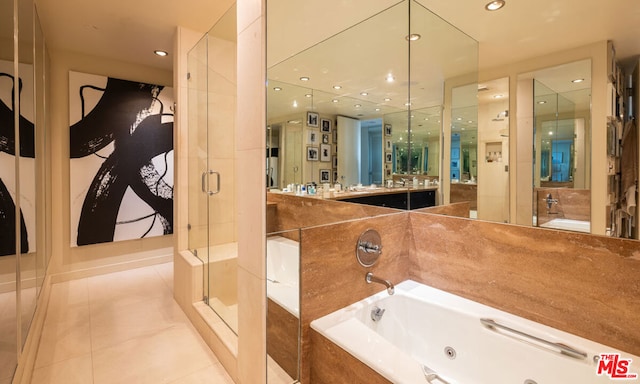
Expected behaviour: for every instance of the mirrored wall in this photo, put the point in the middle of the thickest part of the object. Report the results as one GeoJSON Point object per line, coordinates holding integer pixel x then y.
{"type": "Point", "coordinates": [24, 249]}
{"type": "Point", "coordinates": [361, 104]}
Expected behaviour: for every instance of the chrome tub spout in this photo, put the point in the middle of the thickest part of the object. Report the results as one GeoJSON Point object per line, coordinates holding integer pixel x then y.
{"type": "Point", "coordinates": [369, 278]}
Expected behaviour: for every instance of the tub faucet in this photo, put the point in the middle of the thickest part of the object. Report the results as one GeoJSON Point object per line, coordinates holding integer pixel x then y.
{"type": "Point", "coordinates": [369, 278]}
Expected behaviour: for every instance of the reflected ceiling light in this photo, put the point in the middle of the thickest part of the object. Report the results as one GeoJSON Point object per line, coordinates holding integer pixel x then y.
{"type": "Point", "coordinates": [459, 119]}
{"type": "Point", "coordinates": [364, 93]}
{"type": "Point", "coordinates": [494, 5]}
{"type": "Point", "coordinates": [337, 86]}
{"type": "Point", "coordinates": [277, 89]}
{"type": "Point", "coordinates": [308, 95]}
{"type": "Point", "coordinates": [334, 100]}
{"type": "Point", "coordinates": [413, 37]}
{"type": "Point", "coordinates": [550, 133]}
{"type": "Point", "coordinates": [377, 109]}
{"type": "Point", "coordinates": [390, 78]}
{"type": "Point", "coordinates": [470, 121]}
{"type": "Point", "coordinates": [577, 81]}
{"type": "Point", "coordinates": [387, 99]}
{"type": "Point", "coordinates": [304, 78]}
{"type": "Point", "coordinates": [407, 104]}
{"type": "Point", "coordinates": [542, 102]}
{"type": "Point", "coordinates": [462, 129]}
{"type": "Point", "coordinates": [161, 53]}
{"type": "Point", "coordinates": [357, 105]}
{"type": "Point", "coordinates": [426, 119]}
{"type": "Point", "coordinates": [498, 96]}
{"type": "Point", "coordinates": [295, 104]}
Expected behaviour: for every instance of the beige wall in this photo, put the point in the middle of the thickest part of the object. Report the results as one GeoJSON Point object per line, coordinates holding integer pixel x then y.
{"type": "Point", "coordinates": [66, 259]}
{"type": "Point", "coordinates": [251, 165]}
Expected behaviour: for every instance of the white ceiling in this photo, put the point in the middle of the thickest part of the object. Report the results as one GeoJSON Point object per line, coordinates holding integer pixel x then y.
{"type": "Point", "coordinates": [125, 30]}
{"type": "Point", "coordinates": [130, 30]}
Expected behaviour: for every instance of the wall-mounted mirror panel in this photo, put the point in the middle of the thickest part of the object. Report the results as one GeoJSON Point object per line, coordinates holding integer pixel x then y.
{"type": "Point", "coordinates": [8, 276]}
{"type": "Point", "coordinates": [562, 142]}
{"type": "Point", "coordinates": [27, 158]}
{"type": "Point", "coordinates": [367, 101]}
{"type": "Point", "coordinates": [493, 150]}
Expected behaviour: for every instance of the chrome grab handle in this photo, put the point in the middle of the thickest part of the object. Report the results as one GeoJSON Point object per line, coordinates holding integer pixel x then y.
{"type": "Point", "coordinates": [561, 348]}
{"type": "Point", "coordinates": [203, 181]}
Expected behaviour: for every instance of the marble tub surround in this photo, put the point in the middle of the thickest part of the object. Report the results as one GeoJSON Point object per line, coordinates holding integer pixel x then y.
{"type": "Point", "coordinates": [331, 277]}
{"type": "Point", "coordinates": [456, 209]}
{"type": "Point", "coordinates": [582, 284]}
{"type": "Point", "coordinates": [286, 211]}
{"type": "Point", "coordinates": [468, 192]}
{"type": "Point", "coordinates": [574, 204]}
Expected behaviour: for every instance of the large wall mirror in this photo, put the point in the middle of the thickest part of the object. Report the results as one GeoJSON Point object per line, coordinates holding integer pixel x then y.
{"type": "Point", "coordinates": [360, 102]}
{"type": "Point", "coordinates": [561, 103]}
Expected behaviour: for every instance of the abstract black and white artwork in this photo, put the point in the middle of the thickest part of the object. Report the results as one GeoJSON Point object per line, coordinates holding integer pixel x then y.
{"type": "Point", "coordinates": [9, 98]}
{"type": "Point", "coordinates": [121, 149]}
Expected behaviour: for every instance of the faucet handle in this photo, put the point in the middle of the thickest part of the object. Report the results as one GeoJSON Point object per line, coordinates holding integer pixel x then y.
{"type": "Point", "coordinates": [369, 247]}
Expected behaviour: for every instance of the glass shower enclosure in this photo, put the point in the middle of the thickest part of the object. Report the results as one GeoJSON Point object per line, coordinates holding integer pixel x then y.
{"type": "Point", "coordinates": [212, 204]}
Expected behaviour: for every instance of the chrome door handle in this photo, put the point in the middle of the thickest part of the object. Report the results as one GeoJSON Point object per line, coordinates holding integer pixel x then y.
{"type": "Point", "coordinates": [203, 182]}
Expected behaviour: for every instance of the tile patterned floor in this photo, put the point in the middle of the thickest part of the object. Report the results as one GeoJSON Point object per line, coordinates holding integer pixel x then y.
{"type": "Point", "coordinates": [122, 327]}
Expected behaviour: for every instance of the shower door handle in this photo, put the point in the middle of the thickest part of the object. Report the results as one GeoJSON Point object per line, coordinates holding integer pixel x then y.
{"type": "Point", "coordinates": [203, 182]}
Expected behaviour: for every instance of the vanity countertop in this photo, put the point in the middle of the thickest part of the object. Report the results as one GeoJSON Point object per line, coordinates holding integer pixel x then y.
{"type": "Point", "coordinates": [367, 191]}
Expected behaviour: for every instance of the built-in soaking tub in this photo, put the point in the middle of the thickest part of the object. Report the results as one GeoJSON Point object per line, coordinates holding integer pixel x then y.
{"type": "Point", "coordinates": [429, 336]}
{"type": "Point", "coordinates": [568, 225]}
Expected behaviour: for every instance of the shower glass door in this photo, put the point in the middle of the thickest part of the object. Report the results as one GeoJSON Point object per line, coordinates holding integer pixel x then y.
{"type": "Point", "coordinates": [212, 205]}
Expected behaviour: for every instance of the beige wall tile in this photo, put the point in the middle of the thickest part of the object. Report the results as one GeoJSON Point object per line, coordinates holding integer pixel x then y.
{"type": "Point", "coordinates": [252, 327]}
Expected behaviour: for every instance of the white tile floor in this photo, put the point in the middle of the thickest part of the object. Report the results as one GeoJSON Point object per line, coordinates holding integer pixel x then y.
{"type": "Point", "coordinates": [122, 327]}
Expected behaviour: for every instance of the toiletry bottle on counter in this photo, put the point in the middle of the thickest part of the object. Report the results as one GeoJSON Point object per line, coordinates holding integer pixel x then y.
{"type": "Point", "coordinates": [415, 182]}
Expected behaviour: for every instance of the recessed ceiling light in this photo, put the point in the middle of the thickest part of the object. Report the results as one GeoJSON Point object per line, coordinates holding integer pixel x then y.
{"type": "Point", "coordinates": [459, 119]}
{"type": "Point", "coordinates": [407, 104]}
{"type": "Point", "coordinates": [413, 37]}
{"type": "Point", "coordinates": [337, 86]}
{"type": "Point", "coordinates": [304, 78]}
{"type": "Point", "coordinates": [470, 121]}
{"type": "Point", "coordinates": [295, 104]}
{"type": "Point", "coordinates": [161, 53]}
{"type": "Point", "coordinates": [542, 102]}
{"type": "Point", "coordinates": [387, 99]}
{"type": "Point", "coordinates": [494, 5]}
{"type": "Point", "coordinates": [377, 109]}
{"type": "Point", "coordinates": [577, 81]}
{"type": "Point", "coordinates": [334, 100]}
{"type": "Point", "coordinates": [277, 89]}
{"type": "Point", "coordinates": [550, 133]}
{"type": "Point", "coordinates": [390, 78]}
{"type": "Point", "coordinates": [357, 105]}
{"type": "Point", "coordinates": [498, 96]}
{"type": "Point", "coordinates": [364, 93]}
{"type": "Point", "coordinates": [308, 95]}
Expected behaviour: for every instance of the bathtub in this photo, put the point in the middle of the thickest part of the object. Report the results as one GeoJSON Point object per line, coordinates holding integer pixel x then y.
{"type": "Point", "coordinates": [283, 276]}
{"type": "Point", "coordinates": [429, 336]}
{"type": "Point", "coordinates": [569, 225]}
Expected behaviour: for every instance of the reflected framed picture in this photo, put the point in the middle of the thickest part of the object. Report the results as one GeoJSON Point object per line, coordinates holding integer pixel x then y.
{"type": "Point", "coordinates": [387, 129]}
{"type": "Point", "coordinates": [334, 161]}
{"type": "Point", "coordinates": [335, 176]}
{"type": "Point", "coordinates": [325, 125]}
{"type": "Point", "coordinates": [312, 153]}
{"type": "Point", "coordinates": [312, 137]}
{"type": "Point", "coordinates": [325, 176]}
{"type": "Point", "coordinates": [325, 138]}
{"type": "Point", "coordinates": [387, 157]}
{"type": "Point", "coordinates": [325, 152]}
{"type": "Point", "coordinates": [312, 119]}
{"type": "Point", "coordinates": [335, 135]}
{"type": "Point", "coordinates": [387, 145]}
